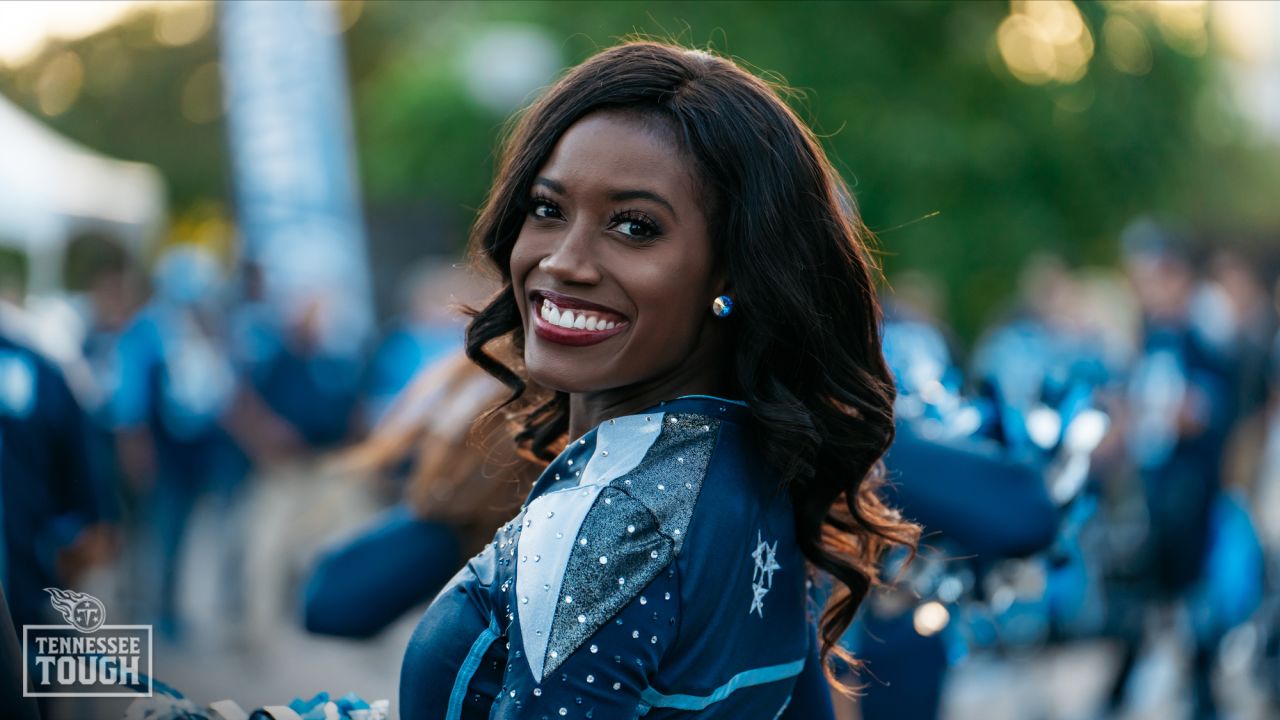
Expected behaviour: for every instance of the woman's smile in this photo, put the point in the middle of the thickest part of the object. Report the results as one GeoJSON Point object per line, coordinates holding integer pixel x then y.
{"type": "Point", "coordinates": [568, 320]}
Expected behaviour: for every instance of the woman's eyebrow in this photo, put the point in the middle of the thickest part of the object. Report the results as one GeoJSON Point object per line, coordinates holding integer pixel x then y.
{"type": "Point", "coordinates": [549, 183]}
{"type": "Point", "coordinates": [615, 196]}
{"type": "Point", "coordinates": [621, 195]}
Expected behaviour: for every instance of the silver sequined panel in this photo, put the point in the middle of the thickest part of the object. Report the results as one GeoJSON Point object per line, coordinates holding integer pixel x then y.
{"type": "Point", "coordinates": [505, 539]}
{"type": "Point", "coordinates": [633, 531]}
{"type": "Point", "coordinates": [624, 550]}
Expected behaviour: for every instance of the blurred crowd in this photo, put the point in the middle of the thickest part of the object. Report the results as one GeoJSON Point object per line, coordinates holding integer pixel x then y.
{"type": "Point", "coordinates": [1104, 464]}
{"type": "Point", "coordinates": [1141, 406]}
{"type": "Point", "coordinates": [157, 389]}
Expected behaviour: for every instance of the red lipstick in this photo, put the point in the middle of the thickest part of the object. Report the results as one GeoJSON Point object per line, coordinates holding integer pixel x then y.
{"type": "Point", "coordinates": [567, 320]}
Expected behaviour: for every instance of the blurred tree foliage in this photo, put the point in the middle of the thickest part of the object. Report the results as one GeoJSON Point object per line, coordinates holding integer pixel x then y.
{"type": "Point", "coordinates": [130, 104]}
{"type": "Point", "coordinates": [963, 169]}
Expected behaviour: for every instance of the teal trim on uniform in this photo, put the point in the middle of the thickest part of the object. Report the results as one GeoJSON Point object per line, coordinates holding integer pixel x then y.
{"type": "Point", "coordinates": [746, 678]}
{"type": "Point", "coordinates": [468, 669]}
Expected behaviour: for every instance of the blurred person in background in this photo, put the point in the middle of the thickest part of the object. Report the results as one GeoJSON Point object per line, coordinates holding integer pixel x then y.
{"type": "Point", "coordinates": [171, 408]}
{"type": "Point", "coordinates": [100, 268]}
{"type": "Point", "coordinates": [1233, 302]}
{"type": "Point", "coordinates": [427, 330]}
{"type": "Point", "coordinates": [58, 511]}
{"type": "Point", "coordinates": [1232, 310]}
{"type": "Point", "coordinates": [13, 668]}
{"type": "Point", "coordinates": [297, 402]}
{"type": "Point", "coordinates": [1181, 405]}
{"type": "Point", "coordinates": [1045, 344]}
{"type": "Point", "coordinates": [1265, 497]}
{"type": "Point", "coordinates": [978, 503]}
{"type": "Point", "coordinates": [304, 382]}
{"type": "Point", "coordinates": [256, 336]}
{"type": "Point", "coordinates": [464, 479]}
{"type": "Point", "coordinates": [451, 466]}
{"type": "Point", "coordinates": [977, 500]}
{"type": "Point", "coordinates": [112, 289]}
{"type": "Point", "coordinates": [918, 346]}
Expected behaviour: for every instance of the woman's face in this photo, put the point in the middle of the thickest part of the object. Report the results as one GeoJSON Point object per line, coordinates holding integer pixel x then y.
{"type": "Point", "coordinates": [613, 266]}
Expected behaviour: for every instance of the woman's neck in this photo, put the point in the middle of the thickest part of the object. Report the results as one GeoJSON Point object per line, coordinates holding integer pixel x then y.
{"type": "Point", "coordinates": [697, 376]}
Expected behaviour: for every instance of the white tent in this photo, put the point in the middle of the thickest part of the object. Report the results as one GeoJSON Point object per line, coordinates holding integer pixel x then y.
{"type": "Point", "coordinates": [52, 188]}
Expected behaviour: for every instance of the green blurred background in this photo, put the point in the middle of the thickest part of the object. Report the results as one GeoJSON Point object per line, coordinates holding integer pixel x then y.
{"type": "Point", "coordinates": [975, 134]}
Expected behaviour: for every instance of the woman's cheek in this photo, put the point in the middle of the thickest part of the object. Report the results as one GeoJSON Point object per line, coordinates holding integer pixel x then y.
{"type": "Point", "coordinates": [519, 264]}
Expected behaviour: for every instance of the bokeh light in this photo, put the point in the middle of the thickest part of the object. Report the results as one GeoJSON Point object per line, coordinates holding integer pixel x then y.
{"type": "Point", "coordinates": [1045, 41]}
{"type": "Point", "coordinates": [183, 23]}
{"type": "Point", "coordinates": [1126, 45]}
{"type": "Point", "coordinates": [202, 94]}
{"type": "Point", "coordinates": [60, 83]}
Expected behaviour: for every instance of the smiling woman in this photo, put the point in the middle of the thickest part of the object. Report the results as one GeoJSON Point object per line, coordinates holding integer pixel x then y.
{"type": "Point", "coordinates": [686, 283]}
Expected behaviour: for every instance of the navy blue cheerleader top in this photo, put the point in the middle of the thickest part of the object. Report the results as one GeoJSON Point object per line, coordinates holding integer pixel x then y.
{"type": "Point", "coordinates": [653, 572]}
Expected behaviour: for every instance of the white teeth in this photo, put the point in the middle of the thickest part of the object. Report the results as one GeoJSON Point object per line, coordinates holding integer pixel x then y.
{"type": "Point", "coordinates": [569, 320]}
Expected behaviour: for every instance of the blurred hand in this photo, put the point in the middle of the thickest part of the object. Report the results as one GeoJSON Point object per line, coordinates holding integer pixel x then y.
{"type": "Point", "coordinates": [1193, 416]}
{"type": "Point", "coordinates": [95, 546]}
{"type": "Point", "coordinates": [263, 435]}
{"type": "Point", "coordinates": [1112, 451]}
{"type": "Point", "coordinates": [307, 325]}
{"type": "Point", "coordinates": [137, 458]}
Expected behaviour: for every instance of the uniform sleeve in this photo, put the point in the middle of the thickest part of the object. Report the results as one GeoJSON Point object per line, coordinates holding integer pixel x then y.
{"type": "Point", "coordinates": [449, 644]}
{"type": "Point", "coordinates": [811, 699]}
{"type": "Point", "coordinates": [364, 584]}
{"type": "Point", "coordinates": [972, 494]}
{"type": "Point", "coordinates": [607, 675]}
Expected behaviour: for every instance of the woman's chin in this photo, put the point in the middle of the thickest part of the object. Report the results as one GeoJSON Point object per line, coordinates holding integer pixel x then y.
{"type": "Point", "coordinates": [562, 376]}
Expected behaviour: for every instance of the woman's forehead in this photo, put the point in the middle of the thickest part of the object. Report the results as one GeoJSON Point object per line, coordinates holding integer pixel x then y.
{"type": "Point", "coordinates": [610, 152]}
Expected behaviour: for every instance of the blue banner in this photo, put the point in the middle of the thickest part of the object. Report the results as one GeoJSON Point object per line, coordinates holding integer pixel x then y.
{"type": "Point", "coordinates": [294, 170]}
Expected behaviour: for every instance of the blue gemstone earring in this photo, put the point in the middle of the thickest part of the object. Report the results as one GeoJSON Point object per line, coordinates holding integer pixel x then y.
{"type": "Point", "coordinates": [722, 306]}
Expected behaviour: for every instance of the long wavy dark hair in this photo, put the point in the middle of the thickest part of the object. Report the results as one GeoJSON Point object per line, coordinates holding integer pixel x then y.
{"type": "Point", "coordinates": [806, 326]}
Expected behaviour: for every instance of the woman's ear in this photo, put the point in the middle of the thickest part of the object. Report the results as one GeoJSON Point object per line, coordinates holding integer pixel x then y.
{"type": "Point", "coordinates": [720, 284]}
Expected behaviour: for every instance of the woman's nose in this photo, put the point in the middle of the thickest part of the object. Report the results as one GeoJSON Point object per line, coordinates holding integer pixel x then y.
{"type": "Point", "coordinates": [573, 260]}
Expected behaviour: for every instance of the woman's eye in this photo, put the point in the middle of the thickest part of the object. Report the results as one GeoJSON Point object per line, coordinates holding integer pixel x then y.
{"type": "Point", "coordinates": [544, 210]}
{"type": "Point", "coordinates": [638, 228]}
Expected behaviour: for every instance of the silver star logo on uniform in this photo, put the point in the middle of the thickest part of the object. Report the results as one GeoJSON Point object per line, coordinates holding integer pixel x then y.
{"type": "Point", "coordinates": [765, 556]}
